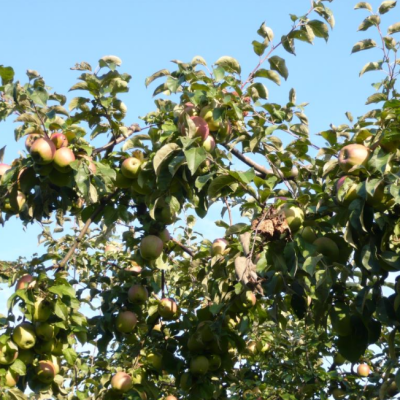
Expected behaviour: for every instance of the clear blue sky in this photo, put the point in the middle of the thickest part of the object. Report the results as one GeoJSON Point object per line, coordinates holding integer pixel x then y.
{"type": "Point", "coordinates": [51, 37]}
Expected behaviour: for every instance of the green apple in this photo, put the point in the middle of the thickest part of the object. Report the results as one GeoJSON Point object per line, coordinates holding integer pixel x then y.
{"type": "Point", "coordinates": [154, 360]}
{"type": "Point", "coordinates": [168, 309]}
{"type": "Point", "coordinates": [44, 331]}
{"type": "Point", "coordinates": [138, 294]}
{"type": "Point", "coordinates": [164, 235]}
{"type": "Point", "coordinates": [294, 216]}
{"type": "Point", "coordinates": [352, 155]}
{"type": "Point", "coordinates": [308, 234]}
{"type": "Point", "coordinates": [24, 336]}
{"type": "Point", "coordinates": [43, 151]}
{"type": "Point", "coordinates": [151, 247]}
{"type": "Point", "coordinates": [122, 381]}
{"type": "Point", "coordinates": [209, 144]}
{"type": "Point", "coordinates": [45, 371]}
{"type": "Point", "coordinates": [195, 344]}
{"type": "Point", "coordinates": [219, 246]}
{"type": "Point", "coordinates": [327, 247]}
{"type": "Point", "coordinates": [11, 378]}
{"type": "Point", "coordinates": [8, 352]}
{"type": "Point", "coordinates": [126, 321]}
{"type": "Point", "coordinates": [199, 365]}
{"type": "Point", "coordinates": [351, 191]}
{"type": "Point", "coordinates": [43, 309]}
{"type": "Point", "coordinates": [130, 167]}
{"type": "Point", "coordinates": [248, 299]}
{"type": "Point", "coordinates": [207, 114]}
{"type": "Point", "coordinates": [122, 182]}
{"type": "Point", "coordinates": [214, 362]}
{"type": "Point", "coordinates": [205, 331]}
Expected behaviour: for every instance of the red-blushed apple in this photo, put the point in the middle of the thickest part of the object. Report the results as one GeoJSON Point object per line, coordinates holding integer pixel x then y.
{"type": "Point", "coordinates": [164, 235]}
{"type": "Point", "coordinates": [202, 129]}
{"type": "Point", "coordinates": [4, 168]}
{"type": "Point", "coordinates": [45, 371]}
{"type": "Point", "coordinates": [219, 246]}
{"type": "Point", "coordinates": [138, 294]}
{"type": "Point", "coordinates": [170, 397]}
{"type": "Point", "coordinates": [122, 382]}
{"type": "Point", "coordinates": [352, 155]}
{"type": "Point", "coordinates": [24, 281]}
{"type": "Point", "coordinates": [8, 352]}
{"type": "Point", "coordinates": [62, 159]}
{"type": "Point", "coordinates": [151, 247]}
{"type": "Point", "coordinates": [168, 309]}
{"type": "Point", "coordinates": [24, 336]}
{"type": "Point", "coordinates": [30, 139]}
{"type": "Point", "coordinates": [294, 216]}
{"type": "Point", "coordinates": [130, 167]}
{"type": "Point", "coordinates": [209, 144]}
{"type": "Point", "coordinates": [126, 321]}
{"type": "Point", "coordinates": [363, 370]}
{"type": "Point", "coordinates": [11, 378]}
{"type": "Point", "coordinates": [59, 140]}
{"type": "Point", "coordinates": [207, 114]}
{"type": "Point", "coordinates": [43, 151]}
{"type": "Point", "coordinates": [327, 247]}
{"type": "Point", "coordinates": [199, 365]}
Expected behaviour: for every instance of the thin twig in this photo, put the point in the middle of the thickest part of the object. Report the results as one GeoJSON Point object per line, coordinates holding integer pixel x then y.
{"type": "Point", "coordinates": [184, 248]}
{"type": "Point", "coordinates": [229, 211]}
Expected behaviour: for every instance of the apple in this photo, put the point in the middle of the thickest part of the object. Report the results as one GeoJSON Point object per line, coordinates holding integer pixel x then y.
{"type": "Point", "coordinates": [126, 321]}
{"type": "Point", "coordinates": [24, 281]}
{"type": "Point", "coordinates": [57, 347]}
{"type": "Point", "coordinates": [338, 394]}
{"type": "Point", "coordinates": [43, 309]}
{"type": "Point", "coordinates": [207, 114]}
{"type": "Point", "coordinates": [254, 347]}
{"type": "Point", "coordinates": [294, 216]}
{"type": "Point", "coordinates": [170, 397]}
{"type": "Point", "coordinates": [186, 381]}
{"type": "Point", "coordinates": [308, 234]}
{"type": "Point", "coordinates": [59, 140]}
{"type": "Point", "coordinates": [122, 182]}
{"type": "Point", "coordinates": [45, 371]}
{"type": "Point", "coordinates": [8, 353]}
{"type": "Point", "coordinates": [352, 155]}
{"type": "Point", "coordinates": [17, 201]}
{"type": "Point", "coordinates": [24, 336]}
{"type": "Point", "coordinates": [91, 165]}
{"type": "Point", "coordinates": [44, 331]}
{"type": "Point", "coordinates": [155, 360]}
{"type": "Point", "coordinates": [26, 356]}
{"type": "Point", "coordinates": [138, 294]}
{"type": "Point", "coordinates": [11, 378]}
{"type": "Point", "coordinates": [201, 129]}
{"type": "Point", "coordinates": [338, 359]}
{"type": "Point", "coordinates": [130, 167]}
{"type": "Point", "coordinates": [4, 168]}
{"type": "Point", "coordinates": [195, 343]}
{"type": "Point", "coordinates": [205, 330]}
{"type": "Point", "coordinates": [219, 246]}
{"type": "Point", "coordinates": [363, 370]}
{"type": "Point", "coordinates": [43, 151]}
{"type": "Point", "coordinates": [165, 215]}
{"type": "Point", "coordinates": [30, 139]}
{"type": "Point", "coordinates": [248, 299]}
{"type": "Point", "coordinates": [224, 130]}
{"type": "Point", "coordinates": [122, 381]}
{"type": "Point", "coordinates": [57, 364]}
{"type": "Point", "coordinates": [351, 193]}
{"type": "Point", "coordinates": [151, 247]}
{"type": "Point", "coordinates": [168, 309]}
{"type": "Point", "coordinates": [44, 347]}
{"type": "Point", "coordinates": [134, 268]}
{"type": "Point", "coordinates": [214, 362]}
{"type": "Point", "coordinates": [209, 144]}
{"type": "Point", "coordinates": [62, 159]}
{"type": "Point", "coordinates": [199, 365]}
{"type": "Point", "coordinates": [327, 247]}
{"type": "Point", "coordinates": [164, 235]}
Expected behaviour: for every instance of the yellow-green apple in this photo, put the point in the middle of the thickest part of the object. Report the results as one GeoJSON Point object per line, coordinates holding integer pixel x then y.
{"type": "Point", "coordinates": [164, 235]}
{"type": "Point", "coordinates": [327, 247]}
{"type": "Point", "coordinates": [58, 346]}
{"type": "Point", "coordinates": [363, 370]}
{"type": "Point", "coordinates": [219, 246]}
{"type": "Point", "coordinates": [43, 309]}
{"type": "Point", "coordinates": [11, 378]}
{"type": "Point", "coordinates": [294, 216]}
{"type": "Point", "coordinates": [122, 182]}
{"type": "Point", "coordinates": [122, 381]}
{"type": "Point", "coordinates": [126, 321]}
{"type": "Point", "coordinates": [30, 139]}
{"type": "Point", "coordinates": [248, 299]}
{"type": "Point", "coordinates": [201, 127]}
{"type": "Point", "coordinates": [351, 193]}
{"type": "Point", "coordinates": [214, 362]}
{"type": "Point", "coordinates": [24, 336]}
{"type": "Point", "coordinates": [62, 159]}
{"type": "Point", "coordinates": [224, 130]}
{"type": "Point", "coordinates": [17, 201]}
{"type": "Point", "coordinates": [8, 352]}
{"type": "Point", "coordinates": [352, 155]}
{"type": "Point", "coordinates": [45, 371]}
{"type": "Point", "coordinates": [168, 309]}
{"type": "Point", "coordinates": [199, 365]}
{"type": "Point", "coordinates": [151, 247]}
{"type": "Point", "coordinates": [57, 363]}
{"type": "Point", "coordinates": [165, 215]}
{"type": "Point", "coordinates": [209, 144]}
{"type": "Point", "coordinates": [59, 140]}
{"type": "Point", "coordinates": [44, 331]}
{"type": "Point", "coordinates": [155, 360]}
{"type": "Point", "coordinates": [138, 294]}
{"type": "Point", "coordinates": [24, 282]}
{"type": "Point", "coordinates": [308, 234]}
{"type": "Point", "coordinates": [207, 114]}
{"type": "Point", "coordinates": [43, 151]}
{"type": "Point", "coordinates": [130, 167]}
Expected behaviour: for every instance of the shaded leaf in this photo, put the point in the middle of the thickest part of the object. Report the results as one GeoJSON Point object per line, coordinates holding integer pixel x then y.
{"type": "Point", "coordinates": [363, 4]}
{"type": "Point", "coordinates": [156, 75]}
{"type": "Point", "coordinates": [371, 66]}
{"type": "Point", "coordinates": [266, 73]}
{"type": "Point", "coordinates": [229, 64]}
{"type": "Point", "coordinates": [394, 28]}
{"type": "Point", "coordinates": [365, 44]}
{"type": "Point", "coordinates": [319, 28]}
{"type": "Point", "coordinates": [163, 154]}
{"type": "Point", "coordinates": [278, 64]}
{"type": "Point", "coordinates": [386, 6]}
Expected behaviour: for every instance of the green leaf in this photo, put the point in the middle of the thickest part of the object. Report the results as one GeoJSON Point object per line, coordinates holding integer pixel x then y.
{"type": "Point", "coordinates": [319, 28]}
{"type": "Point", "coordinates": [371, 66]}
{"type": "Point", "coordinates": [195, 157]}
{"type": "Point", "coordinates": [363, 4]}
{"type": "Point", "coordinates": [288, 44]}
{"type": "Point", "coordinates": [6, 74]}
{"type": "Point", "coordinates": [266, 32]}
{"type": "Point", "coordinates": [70, 356]}
{"type": "Point", "coordinates": [196, 60]}
{"type": "Point", "coordinates": [163, 154]}
{"type": "Point", "coordinates": [394, 28]}
{"type": "Point", "coordinates": [267, 73]}
{"type": "Point", "coordinates": [365, 44]}
{"type": "Point", "coordinates": [16, 394]}
{"type": "Point", "coordinates": [257, 90]}
{"type": "Point", "coordinates": [278, 64]}
{"type": "Point", "coordinates": [258, 47]}
{"type": "Point", "coordinates": [376, 98]}
{"type": "Point", "coordinates": [229, 64]}
{"type": "Point", "coordinates": [237, 228]}
{"type": "Point", "coordinates": [80, 86]}
{"type": "Point", "coordinates": [372, 20]}
{"type": "Point", "coordinates": [219, 74]}
{"type": "Point", "coordinates": [386, 6]}
{"type": "Point", "coordinates": [110, 61]}
{"type": "Point", "coordinates": [220, 183]}
{"type": "Point", "coordinates": [18, 367]}
{"type": "Point", "coordinates": [156, 75]}
{"type": "Point", "coordinates": [39, 96]}
{"type": "Point", "coordinates": [62, 290]}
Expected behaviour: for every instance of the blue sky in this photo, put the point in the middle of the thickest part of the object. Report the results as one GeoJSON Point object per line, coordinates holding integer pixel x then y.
{"type": "Point", "coordinates": [51, 37]}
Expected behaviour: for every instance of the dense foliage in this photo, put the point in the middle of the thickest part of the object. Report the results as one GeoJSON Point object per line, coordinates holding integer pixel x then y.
{"type": "Point", "coordinates": [130, 301]}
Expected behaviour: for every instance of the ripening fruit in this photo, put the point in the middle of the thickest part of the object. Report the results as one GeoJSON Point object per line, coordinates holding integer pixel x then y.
{"type": "Point", "coordinates": [17, 201]}
{"type": "Point", "coordinates": [24, 336]}
{"type": "Point", "coordinates": [207, 114]}
{"type": "Point", "coordinates": [248, 299]}
{"type": "Point", "coordinates": [151, 247]}
{"type": "Point", "coordinates": [8, 353]}
{"type": "Point", "coordinates": [352, 155]}
{"type": "Point", "coordinates": [45, 371]}
{"type": "Point", "coordinates": [308, 234]}
{"type": "Point", "coordinates": [199, 365]}
{"type": "Point", "coordinates": [209, 144]}
{"type": "Point", "coordinates": [59, 140]}
{"type": "Point", "coordinates": [43, 151]}
{"type": "Point", "coordinates": [130, 167]}
{"type": "Point", "coordinates": [11, 378]}
{"type": "Point", "coordinates": [294, 216]}
{"type": "Point", "coordinates": [30, 139]}
{"type": "Point", "coordinates": [43, 309]}
{"type": "Point", "coordinates": [62, 159]}
{"type": "Point", "coordinates": [202, 129]}
{"type": "Point", "coordinates": [44, 331]}
{"type": "Point", "coordinates": [126, 321]}
{"type": "Point", "coordinates": [138, 294]}
{"type": "Point", "coordinates": [168, 309]}
{"type": "Point", "coordinates": [363, 370]}
{"type": "Point", "coordinates": [164, 235]}
{"type": "Point", "coordinates": [218, 246]}
{"type": "Point", "coordinates": [122, 381]}
{"type": "Point", "coordinates": [214, 362]}
{"type": "Point", "coordinates": [170, 397]}
{"type": "Point", "coordinates": [155, 360]}
{"type": "Point", "coordinates": [327, 247]}
{"type": "Point", "coordinates": [4, 168]}
{"type": "Point", "coordinates": [24, 282]}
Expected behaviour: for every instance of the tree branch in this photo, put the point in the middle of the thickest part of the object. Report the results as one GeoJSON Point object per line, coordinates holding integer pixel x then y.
{"type": "Point", "coordinates": [183, 247]}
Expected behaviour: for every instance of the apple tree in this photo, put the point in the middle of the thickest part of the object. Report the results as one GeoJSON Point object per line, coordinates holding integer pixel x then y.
{"type": "Point", "coordinates": [298, 300]}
